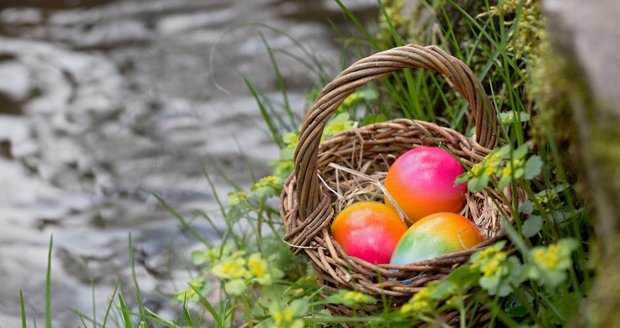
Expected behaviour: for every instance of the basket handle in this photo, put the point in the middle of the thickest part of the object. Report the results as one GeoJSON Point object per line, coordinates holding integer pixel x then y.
{"type": "Point", "coordinates": [460, 77]}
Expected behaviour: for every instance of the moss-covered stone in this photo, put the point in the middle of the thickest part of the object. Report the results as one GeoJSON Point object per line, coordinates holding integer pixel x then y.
{"type": "Point", "coordinates": [589, 88]}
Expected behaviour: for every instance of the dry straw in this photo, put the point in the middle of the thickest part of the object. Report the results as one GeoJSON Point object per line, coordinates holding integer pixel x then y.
{"type": "Point", "coordinates": [351, 166]}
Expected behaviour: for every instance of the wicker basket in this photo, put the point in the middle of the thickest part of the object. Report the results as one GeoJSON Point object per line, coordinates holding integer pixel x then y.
{"type": "Point", "coordinates": [308, 202]}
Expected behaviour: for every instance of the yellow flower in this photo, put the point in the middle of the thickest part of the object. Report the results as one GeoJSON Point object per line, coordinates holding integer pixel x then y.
{"type": "Point", "coordinates": [486, 254]}
{"type": "Point", "coordinates": [508, 169]}
{"type": "Point", "coordinates": [288, 315]}
{"type": "Point", "coordinates": [258, 268]}
{"type": "Point", "coordinates": [422, 295]}
{"type": "Point", "coordinates": [415, 307]}
{"type": "Point", "coordinates": [291, 140]}
{"type": "Point", "coordinates": [267, 182]}
{"type": "Point", "coordinates": [353, 296]}
{"type": "Point", "coordinates": [406, 308]}
{"type": "Point", "coordinates": [477, 169]}
{"type": "Point", "coordinates": [352, 99]}
{"type": "Point", "coordinates": [194, 285]}
{"type": "Point", "coordinates": [492, 266]}
{"type": "Point", "coordinates": [453, 301]}
{"type": "Point", "coordinates": [277, 317]}
{"type": "Point", "coordinates": [420, 302]}
{"type": "Point", "coordinates": [285, 318]}
{"type": "Point", "coordinates": [421, 306]}
{"type": "Point", "coordinates": [232, 268]}
{"type": "Point", "coordinates": [338, 124]}
{"type": "Point", "coordinates": [547, 258]}
{"type": "Point", "coordinates": [237, 197]}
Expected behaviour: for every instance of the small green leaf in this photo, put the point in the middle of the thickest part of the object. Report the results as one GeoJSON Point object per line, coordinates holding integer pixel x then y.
{"type": "Point", "coordinates": [291, 139]}
{"type": "Point", "coordinates": [235, 213]}
{"type": "Point", "coordinates": [464, 277]}
{"type": "Point", "coordinates": [504, 182]}
{"type": "Point", "coordinates": [235, 287]}
{"type": "Point", "coordinates": [274, 307]}
{"type": "Point", "coordinates": [443, 289]}
{"type": "Point", "coordinates": [300, 307]}
{"type": "Point", "coordinates": [514, 307]}
{"type": "Point", "coordinates": [501, 152]}
{"type": "Point", "coordinates": [515, 269]}
{"type": "Point", "coordinates": [553, 279]}
{"type": "Point", "coordinates": [478, 183]}
{"type": "Point", "coordinates": [287, 153]}
{"type": "Point", "coordinates": [527, 207]}
{"type": "Point", "coordinates": [461, 179]}
{"type": "Point", "coordinates": [338, 124]}
{"type": "Point", "coordinates": [533, 167]}
{"type": "Point", "coordinates": [510, 117]}
{"type": "Point", "coordinates": [519, 172]}
{"type": "Point", "coordinates": [493, 285]}
{"type": "Point", "coordinates": [532, 226]}
{"type": "Point", "coordinates": [200, 257]}
{"type": "Point", "coordinates": [520, 152]}
{"type": "Point", "coordinates": [299, 323]}
{"type": "Point", "coordinates": [267, 323]}
{"type": "Point", "coordinates": [568, 244]}
{"type": "Point", "coordinates": [567, 305]}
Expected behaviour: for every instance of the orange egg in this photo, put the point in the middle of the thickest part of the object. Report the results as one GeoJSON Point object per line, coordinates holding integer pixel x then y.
{"type": "Point", "coordinates": [369, 231]}
{"type": "Point", "coordinates": [421, 182]}
{"type": "Point", "coordinates": [435, 235]}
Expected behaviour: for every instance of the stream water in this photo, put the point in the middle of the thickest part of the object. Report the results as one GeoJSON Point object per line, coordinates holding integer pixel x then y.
{"type": "Point", "coordinates": [103, 100]}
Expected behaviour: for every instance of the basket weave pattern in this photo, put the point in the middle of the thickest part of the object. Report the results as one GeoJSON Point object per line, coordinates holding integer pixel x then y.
{"type": "Point", "coordinates": [308, 201]}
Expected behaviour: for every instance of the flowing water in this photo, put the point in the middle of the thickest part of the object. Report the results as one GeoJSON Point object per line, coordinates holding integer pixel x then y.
{"type": "Point", "coordinates": [103, 100]}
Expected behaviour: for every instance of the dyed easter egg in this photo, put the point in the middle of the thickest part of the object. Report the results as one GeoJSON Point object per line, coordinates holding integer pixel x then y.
{"type": "Point", "coordinates": [369, 231]}
{"type": "Point", "coordinates": [421, 182]}
{"type": "Point", "coordinates": [435, 235]}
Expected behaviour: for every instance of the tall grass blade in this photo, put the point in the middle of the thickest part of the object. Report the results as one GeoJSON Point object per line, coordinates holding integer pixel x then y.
{"type": "Point", "coordinates": [216, 195]}
{"type": "Point", "coordinates": [264, 113]}
{"type": "Point", "coordinates": [134, 278]}
{"type": "Point", "coordinates": [280, 80]}
{"type": "Point", "coordinates": [84, 318]}
{"type": "Point", "coordinates": [94, 307]}
{"type": "Point", "coordinates": [398, 40]}
{"type": "Point", "coordinates": [179, 217]}
{"type": "Point", "coordinates": [157, 320]}
{"type": "Point", "coordinates": [187, 316]}
{"type": "Point", "coordinates": [109, 307]}
{"type": "Point", "coordinates": [48, 286]}
{"type": "Point", "coordinates": [124, 311]}
{"type": "Point", "coordinates": [359, 24]}
{"type": "Point", "coordinates": [22, 309]}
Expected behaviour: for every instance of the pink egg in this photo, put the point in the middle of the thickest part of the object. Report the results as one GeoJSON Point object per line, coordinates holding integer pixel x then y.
{"type": "Point", "coordinates": [421, 181]}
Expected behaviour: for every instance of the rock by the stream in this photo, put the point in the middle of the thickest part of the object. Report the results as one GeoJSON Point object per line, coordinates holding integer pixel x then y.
{"type": "Point", "coordinates": [586, 34]}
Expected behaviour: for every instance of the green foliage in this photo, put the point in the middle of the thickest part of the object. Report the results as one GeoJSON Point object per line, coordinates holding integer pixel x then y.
{"type": "Point", "coordinates": [504, 165]}
{"type": "Point", "coordinates": [350, 298]}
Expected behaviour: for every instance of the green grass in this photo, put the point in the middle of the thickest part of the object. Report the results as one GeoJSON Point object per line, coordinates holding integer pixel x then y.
{"type": "Point", "coordinates": [526, 291]}
{"type": "Point", "coordinates": [48, 287]}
